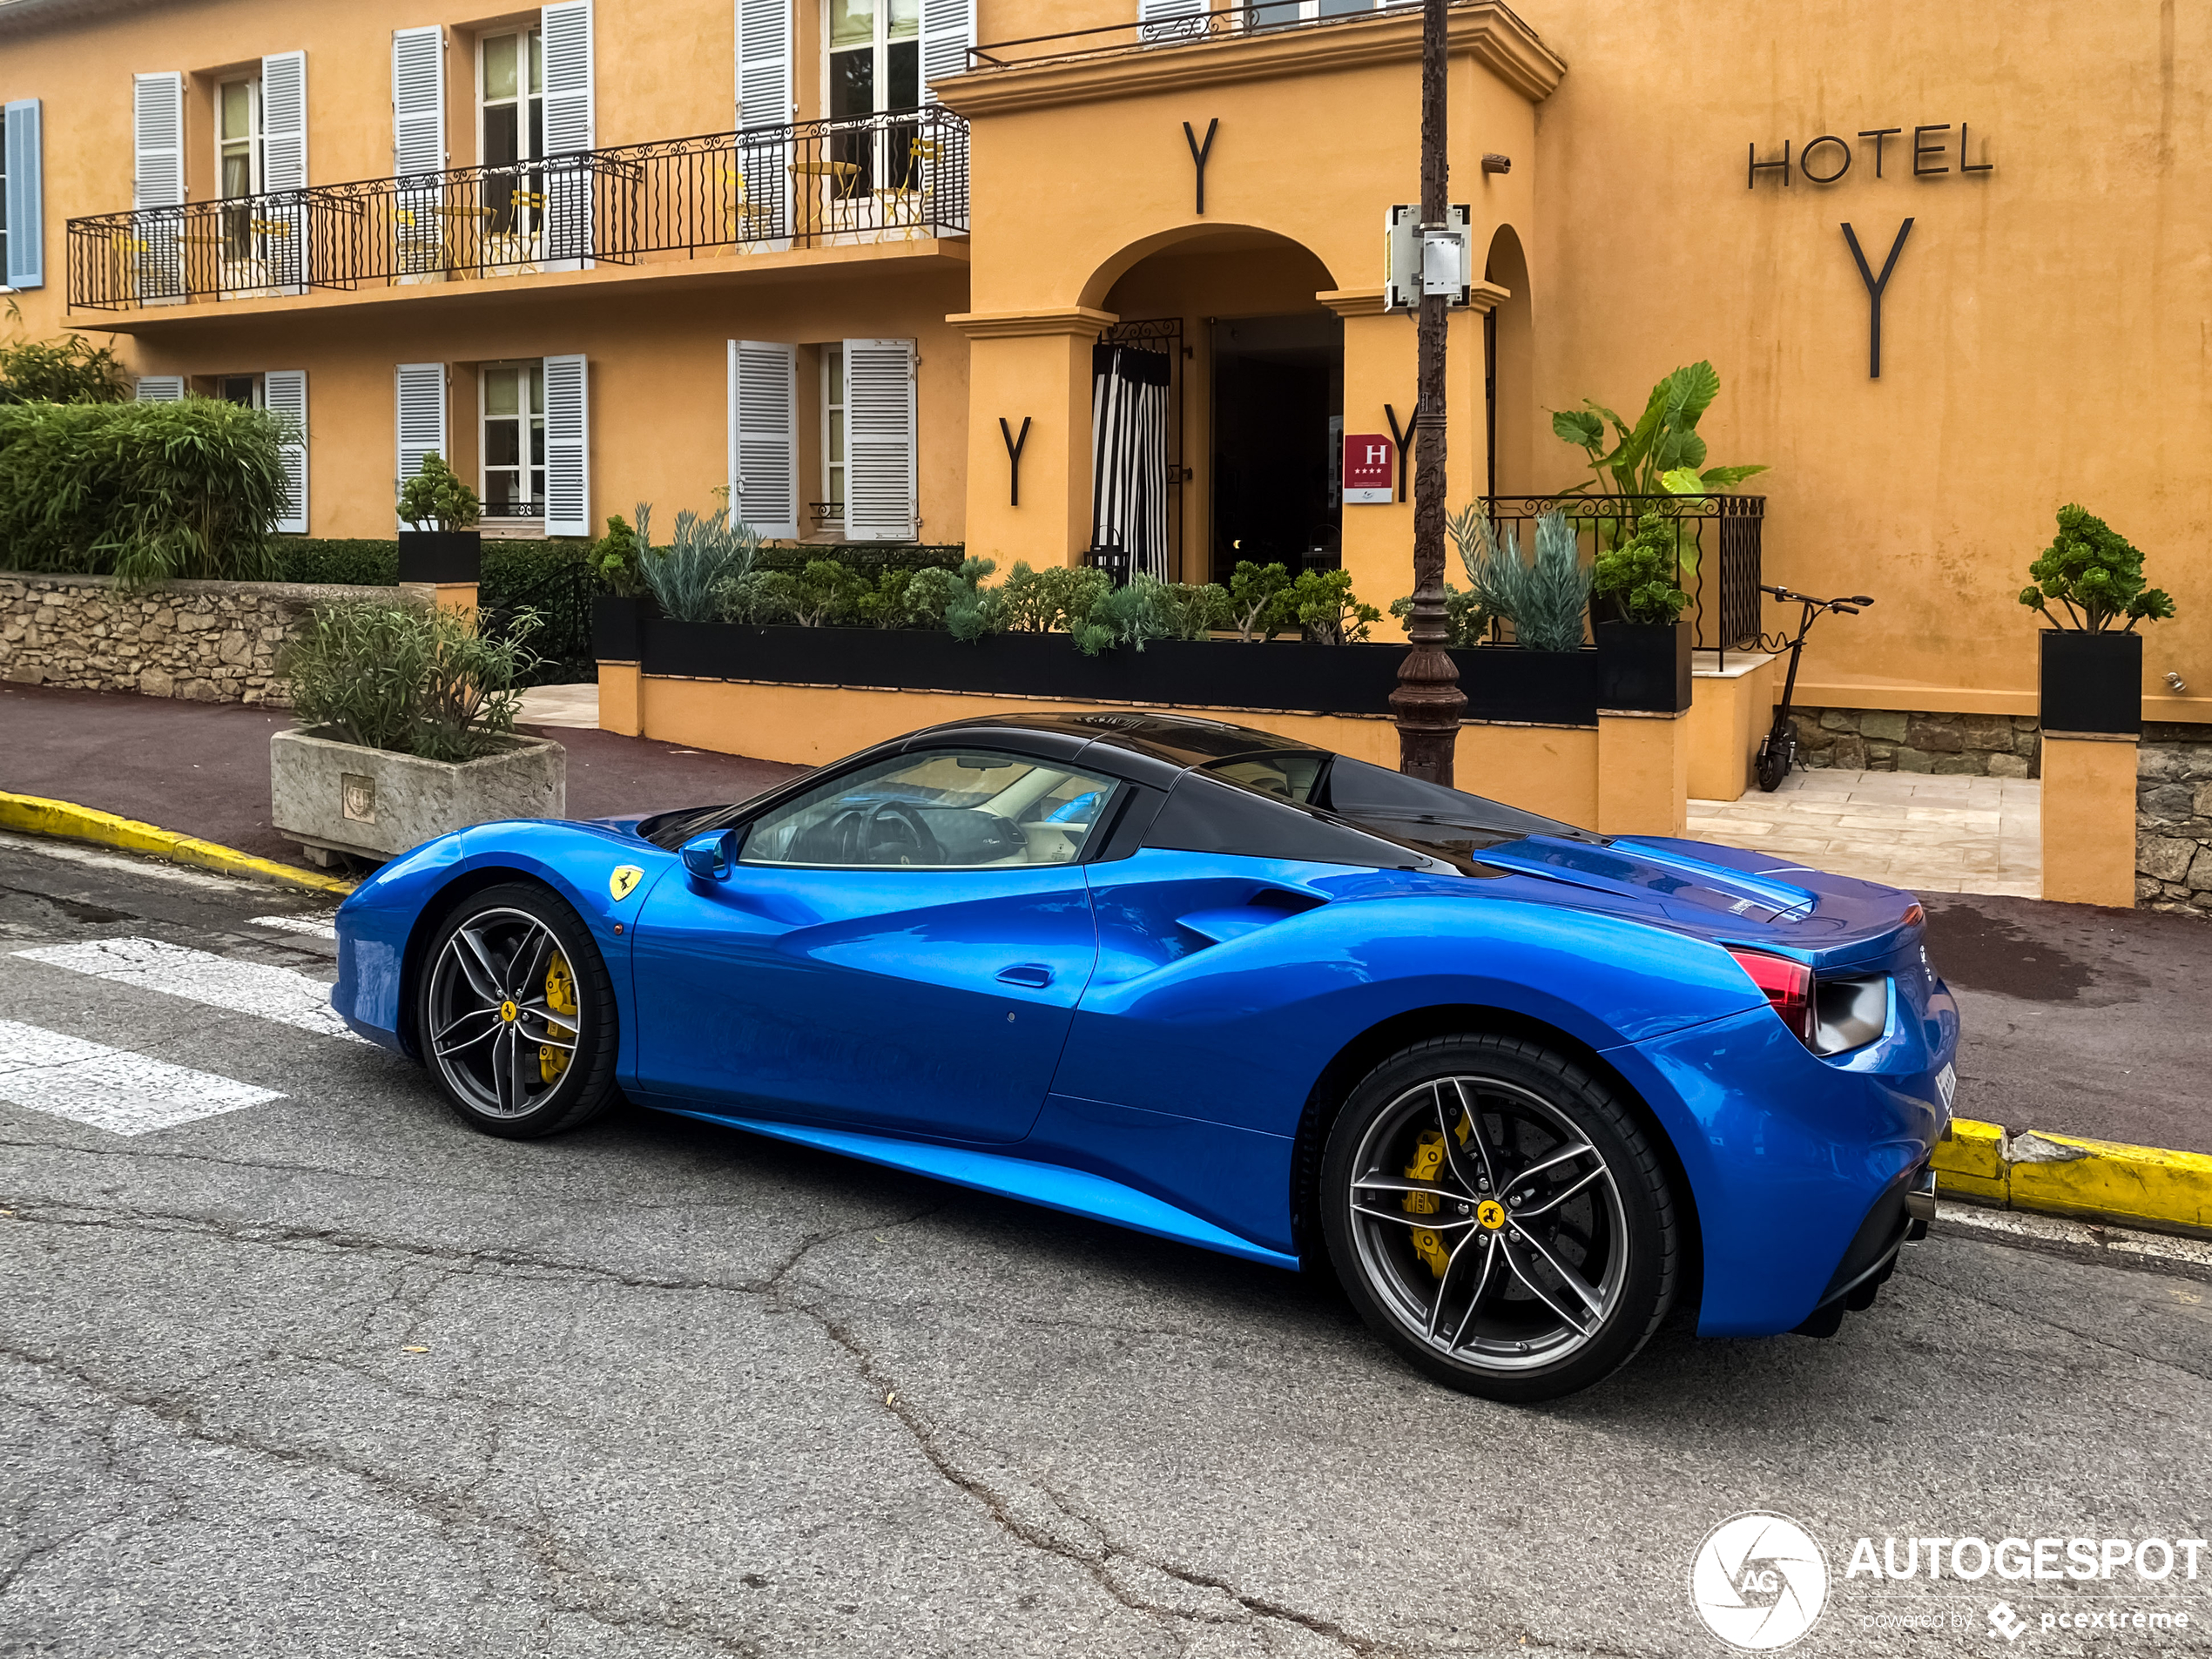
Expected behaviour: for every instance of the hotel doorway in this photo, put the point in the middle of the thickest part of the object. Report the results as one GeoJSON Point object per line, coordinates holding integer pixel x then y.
{"type": "Point", "coordinates": [1277, 442]}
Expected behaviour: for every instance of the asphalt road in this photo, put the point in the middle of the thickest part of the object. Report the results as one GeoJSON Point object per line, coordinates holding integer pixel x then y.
{"type": "Point", "coordinates": [328, 1373]}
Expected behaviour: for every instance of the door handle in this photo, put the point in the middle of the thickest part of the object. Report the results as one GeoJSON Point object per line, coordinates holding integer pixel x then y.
{"type": "Point", "coordinates": [1035, 975]}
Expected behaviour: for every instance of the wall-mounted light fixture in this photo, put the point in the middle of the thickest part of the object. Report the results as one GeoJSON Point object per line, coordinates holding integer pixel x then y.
{"type": "Point", "coordinates": [1495, 162]}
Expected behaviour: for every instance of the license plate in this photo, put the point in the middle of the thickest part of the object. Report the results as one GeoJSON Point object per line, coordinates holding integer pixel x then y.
{"type": "Point", "coordinates": [1946, 1085]}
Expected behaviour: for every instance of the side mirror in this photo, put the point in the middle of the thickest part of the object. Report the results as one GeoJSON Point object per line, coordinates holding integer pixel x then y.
{"type": "Point", "coordinates": [710, 857]}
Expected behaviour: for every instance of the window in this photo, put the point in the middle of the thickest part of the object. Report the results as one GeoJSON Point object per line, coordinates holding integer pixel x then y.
{"type": "Point", "coordinates": [512, 79]}
{"type": "Point", "coordinates": [832, 505]}
{"type": "Point", "coordinates": [943, 809]}
{"type": "Point", "coordinates": [237, 161]}
{"type": "Point", "coordinates": [245, 390]}
{"type": "Point", "coordinates": [1268, 13]}
{"type": "Point", "coordinates": [875, 67]}
{"type": "Point", "coordinates": [514, 439]}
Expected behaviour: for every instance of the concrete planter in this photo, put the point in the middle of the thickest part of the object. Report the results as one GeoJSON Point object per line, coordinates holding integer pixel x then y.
{"type": "Point", "coordinates": [333, 797]}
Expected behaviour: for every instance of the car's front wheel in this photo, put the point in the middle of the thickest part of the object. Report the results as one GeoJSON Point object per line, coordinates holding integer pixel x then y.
{"type": "Point", "coordinates": [516, 1015]}
{"type": "Point", "coordinates": [1498, 1217]}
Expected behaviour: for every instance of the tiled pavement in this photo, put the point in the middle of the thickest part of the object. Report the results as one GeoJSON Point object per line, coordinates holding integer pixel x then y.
{"type": "Point", "coordinates": [1912, 830]}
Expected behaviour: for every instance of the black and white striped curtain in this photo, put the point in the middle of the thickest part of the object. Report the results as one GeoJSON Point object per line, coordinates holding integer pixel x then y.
{"type": "Point", "coordinates": [1129, 455]}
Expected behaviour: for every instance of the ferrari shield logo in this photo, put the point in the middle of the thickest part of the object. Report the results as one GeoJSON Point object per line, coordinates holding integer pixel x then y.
{"type": "Point", "coordinates": [625, 877]}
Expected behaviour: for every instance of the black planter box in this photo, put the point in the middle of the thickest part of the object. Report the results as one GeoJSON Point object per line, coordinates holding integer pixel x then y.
{"type": "Point", "coordinates": [442, 556]}
{"type": "Point", "coordinates": [617, 627]}
{"type": "Point", "coordinates": [2092, 682]}
{"type": "Point", "coordinates": [1643, 667]}
{"type": "Point", "coordinates": [1502, 684]}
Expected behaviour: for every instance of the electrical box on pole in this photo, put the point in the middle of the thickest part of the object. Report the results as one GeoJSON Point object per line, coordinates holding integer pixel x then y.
{"type": "Point", "coordinates": [1418, 261]}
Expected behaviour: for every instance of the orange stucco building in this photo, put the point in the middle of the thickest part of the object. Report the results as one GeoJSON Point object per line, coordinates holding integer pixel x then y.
{"type": "Point", "coordinates": [814, 252]}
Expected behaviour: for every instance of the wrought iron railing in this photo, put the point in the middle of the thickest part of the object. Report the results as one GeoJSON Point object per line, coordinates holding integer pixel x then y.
{"type": "Point", "coordinates": [899, 176]}
{"type": "Point", "coordinates": [1202, 22]}
{"type": "Point", "coordinates": [1716, 540]}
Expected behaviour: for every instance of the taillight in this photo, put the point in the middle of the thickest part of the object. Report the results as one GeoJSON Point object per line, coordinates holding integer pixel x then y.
{"type": "Point", "coordinates": [1788, 986]}
{"type": "Point", "coordinates": [1829, 1016]}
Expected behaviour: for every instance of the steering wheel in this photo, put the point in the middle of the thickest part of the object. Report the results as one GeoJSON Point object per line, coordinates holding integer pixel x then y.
{"type": "Point", "coordinates": [895, 834]}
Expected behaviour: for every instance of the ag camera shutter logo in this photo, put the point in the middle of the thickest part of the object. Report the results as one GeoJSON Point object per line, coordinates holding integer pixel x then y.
{"type": "Point", "coordinates": [1758, 1581]}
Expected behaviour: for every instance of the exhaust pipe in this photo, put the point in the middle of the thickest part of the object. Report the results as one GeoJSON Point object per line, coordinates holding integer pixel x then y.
{"type": "Point", "coordinates": [1920, 1205]}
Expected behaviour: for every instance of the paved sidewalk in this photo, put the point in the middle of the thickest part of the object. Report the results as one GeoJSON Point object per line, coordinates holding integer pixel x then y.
{"type": "Point", "coordinates": [203, 768]}
{"type": "Point", "coordinates": [1912, 830]}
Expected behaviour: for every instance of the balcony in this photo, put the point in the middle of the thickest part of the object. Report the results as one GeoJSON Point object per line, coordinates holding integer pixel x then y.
{"type": "Point", "coordinates": [896, 177]}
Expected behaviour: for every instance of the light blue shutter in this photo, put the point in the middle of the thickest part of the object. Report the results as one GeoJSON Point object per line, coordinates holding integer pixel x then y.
{"type": "Point", "coordinates": [879, 472]}
{"type": "Point", "coordinates": [284, 168]}
{"type": "Point", "coordinates": [763, 437]}
{"type": "Point", "coordinates": [947, 30]}
{"type": "Point", "coordinates": [568, 446]}
{"type": "Point", "coordinates": [158, 185]}
{"type": "Point", "coordinates": [566, 30]}
{"type": "Point", "coordinates": [26, 197]}
{"type": "Point", "coordinates": [1170, 20]}
{"type": "Point", "coordinates": [284, 393]}
{"type": "Point", "coordinates": [420, 393]}
{"type": "Point", "coordinates": [418, 147]}
{"type": "Point", "coordinates": [763, 62]}
{"type": "Point", "coordinates": [160, 389]}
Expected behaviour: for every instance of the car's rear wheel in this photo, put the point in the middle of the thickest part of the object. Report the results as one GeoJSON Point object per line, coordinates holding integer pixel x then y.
{"type": "Point", "coordinates": [517, 1015]}
{"type": "Point", "coordinates": [1498, 1217]}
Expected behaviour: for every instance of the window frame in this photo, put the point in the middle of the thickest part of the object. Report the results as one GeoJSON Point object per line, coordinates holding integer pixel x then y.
{"type": "Point", "coordinates": [834, 471]}
{"type": "Point", "coordinates": [524, 417]}
{"type": "Point", "coordinates": [880, 68]}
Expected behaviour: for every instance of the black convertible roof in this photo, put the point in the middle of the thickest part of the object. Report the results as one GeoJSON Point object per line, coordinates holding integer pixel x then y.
{"type": "Point", "coordinates": [1176, 739]}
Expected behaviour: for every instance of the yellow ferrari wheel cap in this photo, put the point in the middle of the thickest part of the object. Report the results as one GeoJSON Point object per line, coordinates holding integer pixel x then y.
{"type": "Point", "coordinates": [1491, 1214]}
{"type": "Point", "coordinates": [625, 877]}
{"type": "Point", "coordinates": [508, 1012]}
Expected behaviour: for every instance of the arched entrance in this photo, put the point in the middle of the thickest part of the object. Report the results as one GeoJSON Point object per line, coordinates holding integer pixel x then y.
{"type": "Point", "coordinates": [1243, 443]}
{"type": "Point", "coordinates": [1509, 377]}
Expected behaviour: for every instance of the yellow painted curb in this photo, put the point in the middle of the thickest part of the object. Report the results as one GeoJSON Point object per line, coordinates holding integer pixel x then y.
{"type": "Point", "coordinates": [35, 815]}
{"type": "Point", "coordinates": [2064, 1175]}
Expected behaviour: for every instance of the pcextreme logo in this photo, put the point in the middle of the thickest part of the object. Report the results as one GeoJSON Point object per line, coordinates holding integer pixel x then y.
{"type": "Point", "coordinates": [1759, 1581]}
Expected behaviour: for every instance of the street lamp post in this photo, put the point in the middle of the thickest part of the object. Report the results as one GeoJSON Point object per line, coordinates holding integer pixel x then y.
{"type": "Point", "coordinates": [1428, 702]}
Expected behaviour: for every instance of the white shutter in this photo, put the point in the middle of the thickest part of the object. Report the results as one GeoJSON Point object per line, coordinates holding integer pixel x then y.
{"type": "Point", "coordinates": [763, 437]}
{"type": "Point", "coordinates": [284, 122]}
{"type": "Point", "coordinates": [418, 100]}
{"type": "Point", "coordinates": [1166, 20]}
{"type": "Point", "coordinates": [568, 446]}
{"type": "Point", "coordinates": [566, 30]}
{"type": "Point", "coordinates": [947, 30]}
{"type": "Point", "coordinates": [284, 393]}
{"type": "Point", "coordinates": [26, 206]}
{"type": "Point", "coordinates": [879, 486]}
{"type": "Point", "coordinates": [157, 133]}
{"type": "Point", "coordinates": [764, 97]}
{"type": "Point", "coordinates": [160, 389]}
{"type": "Point", "coordinates": [421, 417]}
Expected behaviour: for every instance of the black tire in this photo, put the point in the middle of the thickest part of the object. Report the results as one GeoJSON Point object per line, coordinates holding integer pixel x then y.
{"type": "Point", "coordinates": [551, 1063]}
{"type": "Point", "coordinates": [1777, 756]}
{"type": "Point", "coordinates": [1489, 1320]}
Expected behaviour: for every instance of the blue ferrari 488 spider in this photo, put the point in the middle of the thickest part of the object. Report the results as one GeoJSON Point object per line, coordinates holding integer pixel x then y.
{"type": "Point", "coordinates": [1522, 1087]}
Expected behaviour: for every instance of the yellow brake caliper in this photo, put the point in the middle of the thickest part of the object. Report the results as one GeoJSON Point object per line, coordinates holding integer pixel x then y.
{"type": "Point", "coordinates": [1428, 1164]}
{"type": "Point", "coordinates": [560, 996]}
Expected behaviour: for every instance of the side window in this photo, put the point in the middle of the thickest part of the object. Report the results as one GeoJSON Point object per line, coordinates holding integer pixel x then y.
{"type": "Point", "coordinates": [942, 809]}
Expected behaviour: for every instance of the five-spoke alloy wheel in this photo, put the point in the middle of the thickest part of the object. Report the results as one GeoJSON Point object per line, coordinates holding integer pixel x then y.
{"type": "Point", "coordinates": [516, 1018]}
{"type": "Point", "coordinates": [1496, 1215]}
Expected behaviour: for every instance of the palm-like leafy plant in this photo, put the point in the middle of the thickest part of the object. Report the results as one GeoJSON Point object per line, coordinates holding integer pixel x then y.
{"type": "Point", "coordinates": [1662, 454]}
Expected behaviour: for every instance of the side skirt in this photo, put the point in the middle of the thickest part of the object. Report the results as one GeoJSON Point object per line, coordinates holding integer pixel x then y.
{"type": "Point", "coordinates": [1077, 1192]}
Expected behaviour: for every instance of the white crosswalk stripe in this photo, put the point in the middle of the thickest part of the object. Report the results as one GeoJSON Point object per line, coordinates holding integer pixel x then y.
{"type": "Point", "coordinates": [111, 1089]}
{"type": "Point", "coordinates": [259, 988]}
{"type": "Point", "coordinates": [322, 927]}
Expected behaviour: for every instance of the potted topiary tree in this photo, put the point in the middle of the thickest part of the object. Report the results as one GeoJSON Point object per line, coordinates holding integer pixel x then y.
{"type": "Point", "coordinates": [2091, 667]}
{"type": "Point", "coordinates": [1643, 645]}
{"type": "Point", "coordinates": [443, 544]}
{"type": "Point", "coordinates": [407, 731]}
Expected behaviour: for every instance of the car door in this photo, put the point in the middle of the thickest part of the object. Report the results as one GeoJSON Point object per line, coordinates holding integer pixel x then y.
{"type": "Point", "coordinates": [901, 948]}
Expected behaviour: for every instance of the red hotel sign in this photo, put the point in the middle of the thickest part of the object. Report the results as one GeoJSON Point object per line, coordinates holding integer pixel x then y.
{"type": "Point", "coordinates": [1369, 467]}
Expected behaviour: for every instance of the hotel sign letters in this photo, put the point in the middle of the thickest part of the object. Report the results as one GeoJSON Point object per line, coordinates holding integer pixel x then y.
{"type": "Point", "coordinates": [1930, 150]}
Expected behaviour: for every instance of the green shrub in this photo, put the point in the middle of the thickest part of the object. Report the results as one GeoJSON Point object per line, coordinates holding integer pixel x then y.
{"type": "Point", "coordinates": [1327, 610]}
{"type": "Point", "coordinates": [1638, 575]}
{"type": "Point", "coordinates": [1056, 599]}
{"type": "Point", "coordinates": [553, 583]}
{"type": "Point", "coordinates": [2096, 574]}
{"type": "Point", "coordinates": [1258, 600]}
{"type": "Point", "coordinates": [144, 491]}
{"type": "Point", "coordinates": [419, 681]}
{"type": "Point", "coordinates": [436, 498]}
{"type": "Point", "coordinates": [869, 559]}
{"type": "Point", "coordinates": [351, 563]}
{"type": "Point", "coordinates": [614, 557]}
{"type": "Point", "coordinates": [68, 370]}
{"type": "Point", "coordinates": [1465, 620]}
{"type": "Point", "coordinates": [702, 556]}
{"type": "Point", "coordinates": [1543, 597]}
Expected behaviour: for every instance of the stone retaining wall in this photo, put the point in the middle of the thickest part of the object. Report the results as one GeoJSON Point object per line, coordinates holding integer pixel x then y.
{"type": "Point", "coordinates": [1978, 746]}
{"type": "Point", "coordinates": [2173, 820]}
{"type": "Point", "coordinates": [210, 642]}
